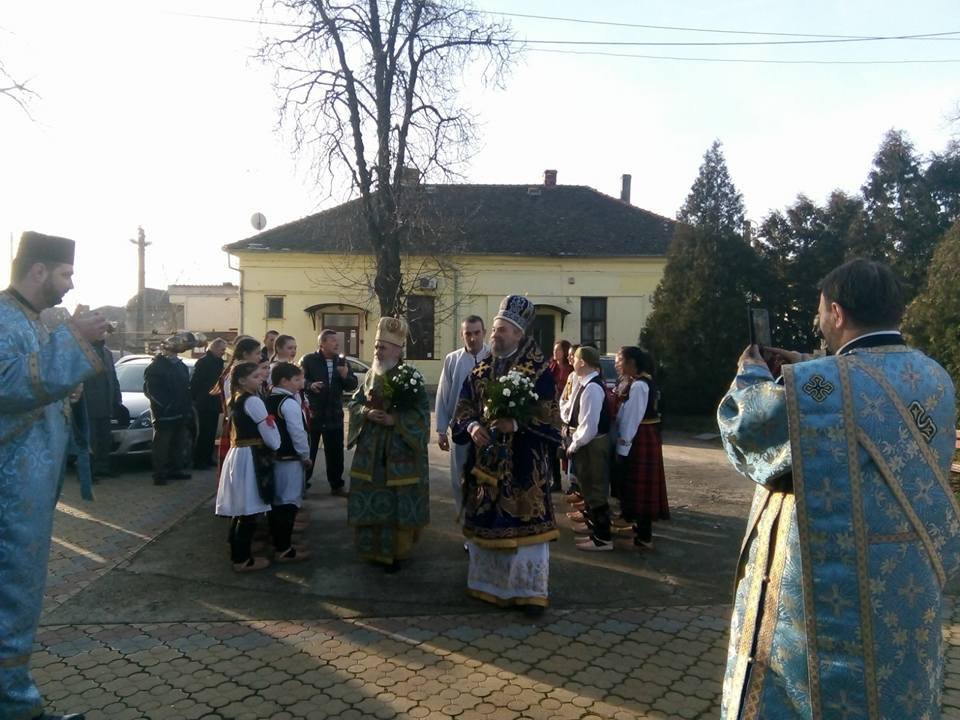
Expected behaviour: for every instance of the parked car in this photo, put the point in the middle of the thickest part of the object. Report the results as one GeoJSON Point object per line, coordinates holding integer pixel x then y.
{"type": "Point", "coordinates": [137, 437]}
{"type": "Point", "coordinates": [609, 371]}
{"type": "Point", "coordinates": [360, 369]}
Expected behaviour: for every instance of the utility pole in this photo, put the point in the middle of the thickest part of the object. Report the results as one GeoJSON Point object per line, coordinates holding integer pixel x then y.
{"type": "Point", "coordinates": [141, 243]}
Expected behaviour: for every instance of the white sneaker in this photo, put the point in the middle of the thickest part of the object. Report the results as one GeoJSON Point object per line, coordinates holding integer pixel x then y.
{"type": "Point", "coordinates": [581, 529]}
{"type": "Point", "coordinates": [593, 544]}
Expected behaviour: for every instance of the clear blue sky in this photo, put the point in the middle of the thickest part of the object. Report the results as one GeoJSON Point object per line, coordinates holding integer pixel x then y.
{"type": "Point", "coordinates": [155, 119]}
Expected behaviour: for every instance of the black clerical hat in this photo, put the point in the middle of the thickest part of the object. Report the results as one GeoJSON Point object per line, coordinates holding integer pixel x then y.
{"type": "Point", "coordinates": [36, 247]}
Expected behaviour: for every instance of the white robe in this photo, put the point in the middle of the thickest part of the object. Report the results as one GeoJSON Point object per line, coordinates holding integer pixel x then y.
{"type": "Point", "coordinates": [456, 367]}
{"type": "Point", "coordinates": [511, 576]}
{"type": "Point", "coordinates": [237, 493]}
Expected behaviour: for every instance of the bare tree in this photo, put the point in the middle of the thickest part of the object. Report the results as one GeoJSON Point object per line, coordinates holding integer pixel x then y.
{"type": "Point", "coordinates": [372, 87]}
{"type": "Point", "coordinates": [15, 90]}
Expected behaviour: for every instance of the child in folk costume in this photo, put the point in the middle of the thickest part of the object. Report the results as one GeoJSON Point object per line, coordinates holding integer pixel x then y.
{"type": "Point", "coordinates": [244, 491]}
{"type": "Point", "coordinates": [292, 460]}
{"type": "Point", "coordinates": [642, 486]}
{"type": "Point", "coordinates": [245, 349]}
{"type": "Point", "coordinates": [565, 402]}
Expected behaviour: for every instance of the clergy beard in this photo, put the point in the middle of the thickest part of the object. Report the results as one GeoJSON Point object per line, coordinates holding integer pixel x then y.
{"type": "Point", "coordinates": [498, 349]}
{"type": "Point", "coordinates": [380, 368]}
{"type": "Point", "coordinates": [51, 296]}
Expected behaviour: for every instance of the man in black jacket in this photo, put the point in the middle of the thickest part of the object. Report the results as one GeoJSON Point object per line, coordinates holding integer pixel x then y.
{"type": "Point", "coordinates": [102, 396]}
{"type": "Point", "coordinates": [166, 383]}
{"type": "Point", "coordinates": [206, 372]}
{"type": "Point", "coordinates": [327, 377]}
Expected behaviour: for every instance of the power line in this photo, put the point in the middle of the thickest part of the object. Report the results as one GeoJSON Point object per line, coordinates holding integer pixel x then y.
{"type": "Point", "coordinates": [601, 53]}
{"type": "Point", "coordinates": [739, 43]}
{"type": "Point", "coordinates": [609, 23]}
{"type": "Point", "coordinates": [815, 39]}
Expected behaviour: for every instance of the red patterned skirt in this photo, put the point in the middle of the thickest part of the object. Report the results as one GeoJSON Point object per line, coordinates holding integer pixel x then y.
{"type": "Point", "coordinates": [642, 485]}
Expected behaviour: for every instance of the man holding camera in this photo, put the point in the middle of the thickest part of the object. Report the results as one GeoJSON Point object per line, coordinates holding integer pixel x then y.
{"type": "Point", "coordinates": [327, 377]}
{"type": "Point", "coordinates": [854, 529]}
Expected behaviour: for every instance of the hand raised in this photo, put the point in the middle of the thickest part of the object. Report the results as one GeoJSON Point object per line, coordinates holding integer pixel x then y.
{"type": "Point", "coordinates": [91, 326]}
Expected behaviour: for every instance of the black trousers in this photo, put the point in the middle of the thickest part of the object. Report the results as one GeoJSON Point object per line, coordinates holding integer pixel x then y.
{"type": "Point", "coordinates": [332, 452]}
{"type": "Point", "coordinates": [206, 437]}
{"type": "Point", "coordinates": [281, 518]}
{"type": "Point", "coordinates": [169, 447]}
{"type": "Point", "coordinates": [101, 443]}
{"type": "Point", "coordinates": [242, 528]}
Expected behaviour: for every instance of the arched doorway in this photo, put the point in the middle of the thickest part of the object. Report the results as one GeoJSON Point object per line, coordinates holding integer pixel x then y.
{"type": "Point", "coordinates": [544, 327]}
{"type": "Point", "coordinates": [348, 321]}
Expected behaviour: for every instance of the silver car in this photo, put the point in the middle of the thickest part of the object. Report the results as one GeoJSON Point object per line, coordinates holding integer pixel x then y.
{"type": "Point", "coordinates": [360, 369]}
{"type": "Point", "coordinates": [137, 437]}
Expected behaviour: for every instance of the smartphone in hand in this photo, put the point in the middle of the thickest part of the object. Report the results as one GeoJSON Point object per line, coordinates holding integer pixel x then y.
{"type": "Point", "coordinates": [758, 321]}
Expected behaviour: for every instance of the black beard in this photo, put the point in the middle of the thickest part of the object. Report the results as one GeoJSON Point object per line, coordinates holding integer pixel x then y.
{"type": "Point", "coordinates": [51, 298]}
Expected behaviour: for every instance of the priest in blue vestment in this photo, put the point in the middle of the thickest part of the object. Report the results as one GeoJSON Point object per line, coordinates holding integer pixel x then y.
{"type": "Point", "coordinates": [39, 367]}
{"type": "Point", "coordinates": [854, 529]}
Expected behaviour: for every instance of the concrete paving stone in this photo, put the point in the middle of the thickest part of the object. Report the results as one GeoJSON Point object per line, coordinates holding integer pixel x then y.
{"type": "Point", "coordinates": [526, 655]}
{"type": "Point", "coordinates": [546, 640]}
{"type": "Point", "coordinates": [639, 650]}
{"type": "Point", "coordinates": [684, 706]}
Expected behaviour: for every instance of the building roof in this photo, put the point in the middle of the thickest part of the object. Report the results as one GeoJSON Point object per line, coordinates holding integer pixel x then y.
{"type": "Point", "coordinates": [523, 220]}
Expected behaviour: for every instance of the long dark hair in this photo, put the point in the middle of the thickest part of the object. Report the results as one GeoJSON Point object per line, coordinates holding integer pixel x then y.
{"type": "Point", "coordinates": [240, 372]}
{"type": "Point", "coordinates": [641, 359]}
{"type": "Point", "coordinates": [565, 346]}
{"type": "Point", "coordinates": [243, 346]}
{"type": "Point", "coordinates": [279, 343]}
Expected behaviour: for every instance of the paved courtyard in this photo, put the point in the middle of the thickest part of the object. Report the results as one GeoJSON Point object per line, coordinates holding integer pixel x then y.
{"type": "Point", "coordinates": [144, 619]}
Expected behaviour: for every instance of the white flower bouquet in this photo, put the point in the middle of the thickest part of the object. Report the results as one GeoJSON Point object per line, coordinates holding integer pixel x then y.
{"type": "Point", "coordinates": [402, 386]}
{"type": "Point", "coordinates": [511, 396]}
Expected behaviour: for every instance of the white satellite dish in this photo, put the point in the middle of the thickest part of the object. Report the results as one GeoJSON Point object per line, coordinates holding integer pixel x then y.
{"type": "Point", "coordinates": [258, 220]}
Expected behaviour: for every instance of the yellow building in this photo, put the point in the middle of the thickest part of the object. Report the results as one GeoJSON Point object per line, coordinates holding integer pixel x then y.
{"type": "Point", "coordinates": [590, 262]}
{"type": "Point", "coordinates": [211, 309]}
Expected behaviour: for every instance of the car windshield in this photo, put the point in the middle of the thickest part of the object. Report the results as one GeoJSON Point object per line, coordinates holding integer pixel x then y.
{"type": "Point", "coordinates": [130, 376]}
{"type": "Point", "coordinates": [609, 368]}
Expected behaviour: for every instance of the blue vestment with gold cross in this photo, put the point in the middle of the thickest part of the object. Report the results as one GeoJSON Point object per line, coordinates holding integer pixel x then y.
{"type": "Point", "coordinates": [38, 369]}
{"type": "Point", "coordinates": [853, 533]}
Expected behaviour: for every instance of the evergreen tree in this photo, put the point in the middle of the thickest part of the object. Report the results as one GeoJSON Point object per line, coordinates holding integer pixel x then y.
{"type": "Point", "coordinates": [902, 209]}
{"type": "Point", "coordinates": [698, 325]}
{"type": "Point", "coordinates": [943, 178]}
{"type": "Point", "coordinates": [798, 248]}
{"type": "Point", "coordinates": [932, 321]}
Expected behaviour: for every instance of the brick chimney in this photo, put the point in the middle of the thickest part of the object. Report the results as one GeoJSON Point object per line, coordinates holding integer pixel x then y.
{"type": "Point", "coordinates": [549, 178]}
{"type": "Point", "coordinates": [625, 188]}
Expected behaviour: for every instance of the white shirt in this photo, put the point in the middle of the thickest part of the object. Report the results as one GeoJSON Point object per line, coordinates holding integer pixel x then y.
{"type": "Point", "coordinates": [257, 411]}
{"type": "Point", "coordinates": [457, 366]}
{"type": "Point", "coordinates": [591, 403]}
{"type": "Point", "coordinates": [292, 413]}
{"type": "Point", "coordinates": [631, 415]}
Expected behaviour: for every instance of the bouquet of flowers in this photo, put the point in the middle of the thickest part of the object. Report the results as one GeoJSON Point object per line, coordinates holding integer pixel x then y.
{"type": "Point", "coordinates": [401, 387]}
{"type": "Point", "coordinates": [509, 397]}
{"type": "Point", "coordinates": [512, 397]}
